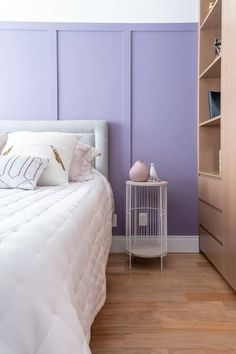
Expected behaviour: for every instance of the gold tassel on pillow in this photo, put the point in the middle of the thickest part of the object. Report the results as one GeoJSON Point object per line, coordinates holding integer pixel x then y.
{"type": "Point", "coordinates": [58, 157]}
{"type": "Point", "coordinates": [7, 151]}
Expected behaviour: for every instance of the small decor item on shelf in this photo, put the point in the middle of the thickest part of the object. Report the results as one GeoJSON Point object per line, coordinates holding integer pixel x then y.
{"type": "Point", "coordinates": [214, 103]}
{"type": "Point", "coordinates": [211, 4]}
{"type": "Point", "coordinates": [153, 174]}
{"type": "Point", "coordinates": [139, 172]}
{"type": "Point", "coordinates": [217, 45]}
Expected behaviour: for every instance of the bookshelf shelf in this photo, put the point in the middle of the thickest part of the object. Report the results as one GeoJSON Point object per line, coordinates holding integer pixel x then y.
{"type": "Point", "coordinates": [213, 17]}
{"type": "Point", "coordinates": [214, 174]}
{"type": "Point", "coordinates": [213, 71]}
{"type": "Point", "coordinates": [213, 122]}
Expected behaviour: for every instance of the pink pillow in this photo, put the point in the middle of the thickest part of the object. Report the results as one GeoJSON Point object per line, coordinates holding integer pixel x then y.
{"type": "Point", "coordinates": [81, 163]}
{"type": "Point", "coordinates": [3, 140]}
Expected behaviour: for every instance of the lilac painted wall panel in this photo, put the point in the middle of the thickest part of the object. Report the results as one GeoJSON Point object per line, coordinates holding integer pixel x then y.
{"type": "Point", "coordinates": [83, 60]}
{"type": "Point", "coordinates": [139, 76]}
{"type": "Point", "coordinates": [25, 75]}
{"type": "Point", "coordinates": [164, 94]}
{"type": "Point", "coordinates": [90, 86]}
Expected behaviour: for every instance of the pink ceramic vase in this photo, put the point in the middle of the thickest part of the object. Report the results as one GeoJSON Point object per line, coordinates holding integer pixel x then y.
{"type": "Point", "coordinates": [139, 172]}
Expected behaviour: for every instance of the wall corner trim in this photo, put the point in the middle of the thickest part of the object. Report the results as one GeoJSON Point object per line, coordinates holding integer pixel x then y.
{"type": "Point", "coordinates": [176, 244]}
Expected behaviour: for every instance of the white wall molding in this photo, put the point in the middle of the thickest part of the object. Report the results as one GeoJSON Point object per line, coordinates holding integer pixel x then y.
{"type": "Point", "coordinates": [176, 244]}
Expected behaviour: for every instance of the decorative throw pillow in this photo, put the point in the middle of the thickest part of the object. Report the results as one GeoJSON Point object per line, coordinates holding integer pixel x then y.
{"type": "Point", "coordinates": [81, 164]}
{"type": "Point", "coordinates": [3, 140]}
{"type": "Point", "coordinates": [57, 147]}
{"type": "Point", "coordinates": [21, 171]}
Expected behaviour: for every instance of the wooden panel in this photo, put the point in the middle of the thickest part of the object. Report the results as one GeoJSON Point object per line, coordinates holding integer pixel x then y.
{"type": "Point", "coordinates": [211, 248]}
{"type": "Point", "coordinates": [211, 219]}
{"type": "Point", "coordinates": [210, 190]}
{"type": "Point", "coordinates": [204, 10]}
{"type": "Point", "coordinates": [209, 139]}
{"type": "Point", "coordinates": [229, 137]}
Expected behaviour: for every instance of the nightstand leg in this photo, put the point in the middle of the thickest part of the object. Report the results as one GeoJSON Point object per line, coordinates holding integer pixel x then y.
{"type": "Point", "coordinates": [129, 260]}
{"type": "Point", "coordinates": [161, 221]}
{"type": "Point", "coordinates": [130, 254]}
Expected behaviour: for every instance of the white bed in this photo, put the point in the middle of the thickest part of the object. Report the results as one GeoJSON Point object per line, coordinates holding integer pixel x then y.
{"type": "Point", "coordinates": [54, 245]}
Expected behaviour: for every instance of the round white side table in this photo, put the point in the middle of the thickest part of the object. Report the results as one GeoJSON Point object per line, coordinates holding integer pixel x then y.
{"type": "Point", "coordinates": [146, 219]}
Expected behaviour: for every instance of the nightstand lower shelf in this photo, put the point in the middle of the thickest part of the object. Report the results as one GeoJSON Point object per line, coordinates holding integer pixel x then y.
{"type": "Point", "coordinates": [145, 251]}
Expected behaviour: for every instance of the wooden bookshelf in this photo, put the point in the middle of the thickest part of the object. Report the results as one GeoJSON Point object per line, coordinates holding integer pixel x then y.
{"type": "Point", "coordinates": [209, 80]}
{"type": "Point", "coordinates": [216, 137]}
{"type": "Point", "coordinates": [209, 134]}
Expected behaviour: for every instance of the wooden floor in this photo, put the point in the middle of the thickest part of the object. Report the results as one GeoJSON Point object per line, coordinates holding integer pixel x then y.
{"type": "Point", "coordinates": [187, 309]}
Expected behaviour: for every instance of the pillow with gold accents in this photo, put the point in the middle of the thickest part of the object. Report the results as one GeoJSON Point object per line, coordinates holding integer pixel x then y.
{"type": "Point", "coordinates": [55, 146]}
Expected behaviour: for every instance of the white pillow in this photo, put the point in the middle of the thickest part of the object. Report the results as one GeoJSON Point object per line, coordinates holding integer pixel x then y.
{"type": "Point", "coordinates": [57, 147]}
{"type": "Point", "coordinates": [21, 171]}
{"type": "Point", "coordinates": [81, 164]}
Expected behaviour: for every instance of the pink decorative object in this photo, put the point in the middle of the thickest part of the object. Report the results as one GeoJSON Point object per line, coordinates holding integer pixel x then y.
{"type": "Point", "coordinates": [139, 172]}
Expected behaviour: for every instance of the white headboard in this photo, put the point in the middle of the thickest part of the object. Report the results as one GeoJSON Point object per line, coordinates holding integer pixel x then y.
{"type": "Point", "coordinates": [93, 132]}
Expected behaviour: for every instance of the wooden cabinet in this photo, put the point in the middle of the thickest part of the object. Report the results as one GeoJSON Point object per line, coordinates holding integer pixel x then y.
{"type": "Point", "coordinates": [210, 190]}
{"type": "Point", "coordinates": [229, 139]}
{"type": "Point", "coordinates": [217, 137]}
{"type": "Point", "coordinates": [211, 220]}
{"type": "Point", "coordinates": [212, 248]}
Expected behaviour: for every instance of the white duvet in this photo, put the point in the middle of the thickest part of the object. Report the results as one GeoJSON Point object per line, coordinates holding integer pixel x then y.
{"type": "Point", "coordinates": [54, 244]}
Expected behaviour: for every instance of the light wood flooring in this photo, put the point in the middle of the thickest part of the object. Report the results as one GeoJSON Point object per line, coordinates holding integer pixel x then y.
{"type": "Point", "coordinates": [187, 309]}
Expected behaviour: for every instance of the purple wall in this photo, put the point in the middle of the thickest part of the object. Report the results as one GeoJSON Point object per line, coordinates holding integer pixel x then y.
{"type": "Point", "coordinates": [141, 78]}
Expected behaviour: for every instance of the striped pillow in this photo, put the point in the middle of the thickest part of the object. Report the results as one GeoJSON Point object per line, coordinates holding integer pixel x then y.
{"type": "Point", "coordinates": [22, 172]}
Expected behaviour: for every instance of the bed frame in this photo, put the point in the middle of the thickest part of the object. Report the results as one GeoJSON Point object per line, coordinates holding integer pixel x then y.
{"type": "Point", "coordinates": [93, 133]}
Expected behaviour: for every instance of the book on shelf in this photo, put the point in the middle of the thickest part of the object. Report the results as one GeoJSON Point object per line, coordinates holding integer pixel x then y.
{"type": "Point", "coordinates": [214, 103]}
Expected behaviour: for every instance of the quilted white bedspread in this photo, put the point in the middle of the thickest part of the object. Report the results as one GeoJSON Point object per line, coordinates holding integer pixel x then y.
{"type": "Point", "coordinates": [54, 244]}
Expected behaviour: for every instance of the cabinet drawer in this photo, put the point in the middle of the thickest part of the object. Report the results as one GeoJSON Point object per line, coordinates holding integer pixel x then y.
{"type": "Point", "coordinates": [210, 190]}
{"type": "Point", "coordinates": [211, 219]}
{"type": "Point", "coordinates": [211, 248]}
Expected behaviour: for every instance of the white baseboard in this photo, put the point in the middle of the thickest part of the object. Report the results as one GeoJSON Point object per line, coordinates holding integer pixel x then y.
{"type": "Point", "coordinates": [176, 244]}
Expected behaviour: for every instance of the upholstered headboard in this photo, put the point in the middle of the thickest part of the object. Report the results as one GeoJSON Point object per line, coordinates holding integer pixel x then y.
{"type": "Point", "coordinates": [93, 132]}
